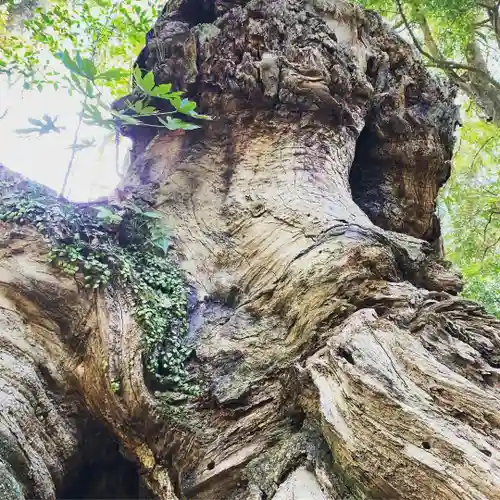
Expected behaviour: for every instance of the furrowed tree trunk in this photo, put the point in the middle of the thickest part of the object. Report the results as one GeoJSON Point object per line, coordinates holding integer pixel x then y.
{"type": "Point", "coordinates": [337, 359]}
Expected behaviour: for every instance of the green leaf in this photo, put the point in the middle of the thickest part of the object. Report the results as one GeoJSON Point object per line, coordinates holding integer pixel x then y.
{"type": "Point", "coordinates": [88, 68]}
{"type": "Point", "coordinates": [127, 119]}
{"type": "Point", "coordinates": [194, 114]}
{"type": "Point", "coordinates": [148, 82]}
{"type": "Point", "coordinates": [187, 106]}
{"type": "Point", "coordinates": [151, 215]}
{"type": "Point", "coordinates": [65, 58]}
{"type": "Point", "coordinates": [162, 244]}
{"type": "Point", "coordinates": [177, 124]}
{"type": "Point", "coordinates": [137, 107]}
{"type": "Point", "coordinates": [175, 101]}
{"type": "Point", "coordinates": [138, 76]}
{"type": "Point", "coordinates": [108, 216]}
{"type": "Point", "coordinates": [171, 123]}
{"type": "Point", "coordinates": [112, 74]}
{"type": "Point", "coordinates": [162, 90]}
{"type": "Point", "coordinates": [148, 110]}
{"type": "Point", "coordinates": [89, 89]}
{"type": "Point", "coordinates": [190, 126]}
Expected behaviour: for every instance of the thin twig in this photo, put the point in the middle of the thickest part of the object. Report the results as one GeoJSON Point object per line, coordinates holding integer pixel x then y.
{"type": "Point", "coordinates": [485, 143]}
{"type": "Point", "coordinates": [489, 247]}
{"type": "Point", "coordinates": [82, 112]}
{"type": "Point", "coordinates": [73, 150]}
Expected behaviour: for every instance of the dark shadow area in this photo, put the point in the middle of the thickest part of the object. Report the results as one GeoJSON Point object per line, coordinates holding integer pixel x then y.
{"type": "Point", "coordinates": [196, 12]}
{"type": "Point", "coordinates": [395, 186]}
{"type": "Point", "coordinates": [365, 179]}
{"type": "Point", "coordinates": [102, 472]}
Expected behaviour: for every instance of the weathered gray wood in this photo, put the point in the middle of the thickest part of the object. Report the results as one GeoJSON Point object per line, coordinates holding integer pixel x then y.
{"type": "Point", "coordinates": [338, 361]}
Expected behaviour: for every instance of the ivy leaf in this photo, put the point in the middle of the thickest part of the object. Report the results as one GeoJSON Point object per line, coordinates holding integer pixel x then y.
{"type": "Point", "coordinates": [162, 244]}
{"type": "Point", "coordinates": [108, 216]}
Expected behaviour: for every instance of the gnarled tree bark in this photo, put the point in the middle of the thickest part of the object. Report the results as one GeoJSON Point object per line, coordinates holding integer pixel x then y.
{"type": "Point", "coordinates": [337, 359]}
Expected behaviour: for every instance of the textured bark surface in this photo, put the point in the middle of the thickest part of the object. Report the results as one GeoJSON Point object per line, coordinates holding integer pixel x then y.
{"type": "Point", "coordinates": [337, 360]}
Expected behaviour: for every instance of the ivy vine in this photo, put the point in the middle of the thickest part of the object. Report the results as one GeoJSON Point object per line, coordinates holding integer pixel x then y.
{"type": "Point", "coordinates": [122, 246]}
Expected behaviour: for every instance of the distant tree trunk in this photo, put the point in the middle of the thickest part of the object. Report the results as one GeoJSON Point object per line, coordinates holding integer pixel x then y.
{"type": "Point", "coordinates": [339, 362]}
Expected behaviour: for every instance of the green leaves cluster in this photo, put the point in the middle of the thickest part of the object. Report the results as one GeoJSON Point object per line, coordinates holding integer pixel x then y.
{"type": "Point", "coordinates": [470, 209]}
{"type": "Point", "coordinates": [84, 78]}
{"type": "Point", "coordinates": [124, 247]}
{"type": "Point", "coordinates": [100, 30]}
{"type": "Point", "coordinates": [85, 37]}
{"type": "Point", "coordinates": [452, 22]}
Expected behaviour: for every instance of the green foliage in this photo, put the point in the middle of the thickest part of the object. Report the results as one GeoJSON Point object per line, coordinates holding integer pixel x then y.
{"type": "Point", "coordinates": [470, 208]}
{"type": "Point", "coordinates": [68, 45]}
{"type": "Point", "coordinates": [124, 247]}
{"type": "Point", "coordinates": [115, 386]}
{"type": "Point", "coordinates": [84, 78]}
{"type": "Point", "coordinates": [452, 21]}
{"type": "Point", "coordinates": [100, 30]}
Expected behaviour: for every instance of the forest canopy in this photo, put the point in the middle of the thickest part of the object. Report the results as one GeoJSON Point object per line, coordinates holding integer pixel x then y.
{"type": "Point", "coordinates": [87, 49]}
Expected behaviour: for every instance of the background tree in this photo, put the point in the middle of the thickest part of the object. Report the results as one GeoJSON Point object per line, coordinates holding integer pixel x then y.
{"type": "Point", "coordinates": [460, 38]}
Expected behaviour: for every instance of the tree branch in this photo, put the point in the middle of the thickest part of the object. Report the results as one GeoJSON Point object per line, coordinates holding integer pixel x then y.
{"type": "Point", "coordinates": [73, 152]}
{"type": "Point", "coordinates": [489, 247]}
{"type": "Point", "coordinates": [443, 63]}
{"type": "Point", "coordinates": [485, 143]}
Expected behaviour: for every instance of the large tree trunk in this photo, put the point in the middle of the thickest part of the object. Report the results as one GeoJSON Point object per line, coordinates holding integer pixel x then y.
{"type": "Point", "coordinates": [337, 360]}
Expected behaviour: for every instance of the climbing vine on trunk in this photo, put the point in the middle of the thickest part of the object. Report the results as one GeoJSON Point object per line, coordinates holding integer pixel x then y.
{"type": "Point", "coordinates": [122, 247]}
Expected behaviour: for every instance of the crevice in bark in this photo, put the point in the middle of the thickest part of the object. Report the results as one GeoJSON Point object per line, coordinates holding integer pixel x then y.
{"type": "Point", "coordinates": [344, 353]}
{"type": "Point", "coordinates": [198, 12]}
{"type": "Point", "coordinates": [364, 179]}
{"type": "Point", "coordinates": [385, 190]}
{"type": "Point", "coordinates": [102, 471]}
